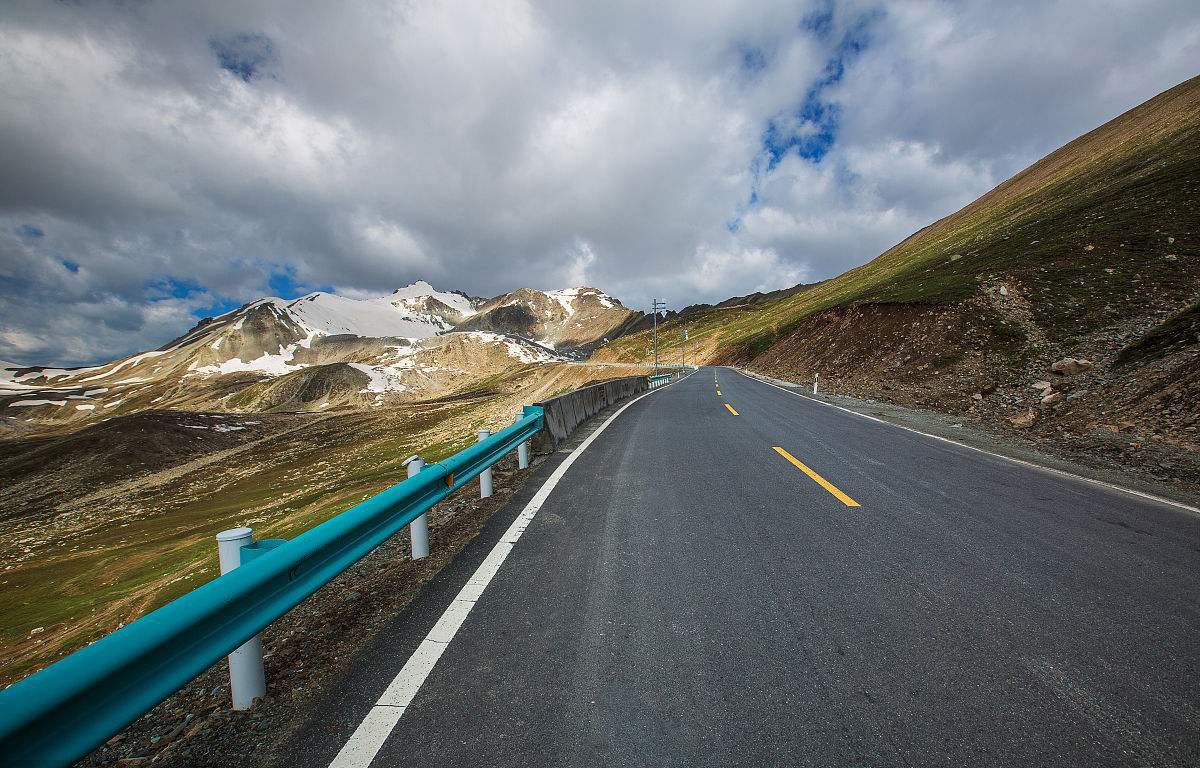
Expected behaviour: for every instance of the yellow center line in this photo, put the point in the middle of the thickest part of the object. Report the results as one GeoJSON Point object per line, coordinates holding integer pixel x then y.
{"type": "Point", "coordinates": [849, 502]}
{"type": "Point", "coordinates": [730, 407]}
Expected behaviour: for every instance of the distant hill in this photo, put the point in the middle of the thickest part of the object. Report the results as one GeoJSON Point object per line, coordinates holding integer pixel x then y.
{"type": "Point", "coordinates": [571, 321]}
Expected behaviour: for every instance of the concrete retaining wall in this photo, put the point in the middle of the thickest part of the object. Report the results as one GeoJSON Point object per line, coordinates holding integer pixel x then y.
{"type": "Point", "coordinates": [566, 412]}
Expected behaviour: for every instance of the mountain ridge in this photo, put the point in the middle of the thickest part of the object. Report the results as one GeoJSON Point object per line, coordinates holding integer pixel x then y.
{"type": "Point", "coordinates": [412, 343]}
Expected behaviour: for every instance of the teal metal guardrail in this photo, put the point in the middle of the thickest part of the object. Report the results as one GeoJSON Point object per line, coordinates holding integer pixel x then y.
{"type": "Point", "coordinates": [64, 711]}
{"type": "Point", "coordinates": [662, 379]}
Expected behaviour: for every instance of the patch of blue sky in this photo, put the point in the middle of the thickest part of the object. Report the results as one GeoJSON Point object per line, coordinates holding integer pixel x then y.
{"type": "Point", "coordinates": [167, 288]}
{"type": "Point", "coordinates": [244, 55]}
{"type": "Point", "coordinates": [172, 288]}
{"type": "Point", "coordinates": [811, 129]}
{"type": "Point", "coordinates": [820, 21]}
{"type": "Point", "coordinates": [753, 60]}
{"type": "Point", "coordinates": [283, 283]}
{"type": "Point", "coordinates": [218, 307]}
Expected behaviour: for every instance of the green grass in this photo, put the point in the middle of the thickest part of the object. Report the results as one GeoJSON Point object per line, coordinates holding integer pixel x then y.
{"type": "Point", "coordinates": [282, 487]}
{"type": "Point", "coordinates": [1180, 330]}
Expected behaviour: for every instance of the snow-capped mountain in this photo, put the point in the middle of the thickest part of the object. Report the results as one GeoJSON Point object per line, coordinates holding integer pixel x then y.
{"type": "Point", "coordinates": [416, 342]}
{"type": "Point", "coordinates": [274, 336]}
{"type": "Point", "coordinates": [571, 320]}
{"type": "Point", "coordinates": [416, 311]}
{"type": "Point", "coordinates": [422, 300]}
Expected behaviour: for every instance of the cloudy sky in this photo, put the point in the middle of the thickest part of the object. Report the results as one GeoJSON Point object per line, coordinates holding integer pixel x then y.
{"type": "Point", "coordinates": [163, 161]}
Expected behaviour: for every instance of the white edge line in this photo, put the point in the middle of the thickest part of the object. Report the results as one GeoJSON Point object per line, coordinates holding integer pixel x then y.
{"type": "Point", "coordinates": [366, 741]}
{"type": "Point", "coordinates": [1042, 467]}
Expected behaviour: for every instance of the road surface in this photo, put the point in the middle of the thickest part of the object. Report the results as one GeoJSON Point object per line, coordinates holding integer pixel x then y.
{"type": "Point", "coordinates": [732, 574]}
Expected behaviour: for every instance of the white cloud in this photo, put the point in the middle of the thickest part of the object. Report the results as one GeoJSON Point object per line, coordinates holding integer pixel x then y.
{"type": "Point", "coordinates": [578, 274]}
{"type": "Point", "coordinates": [518, 143]}
{"type": "Point", "coordinates": [755, 269]}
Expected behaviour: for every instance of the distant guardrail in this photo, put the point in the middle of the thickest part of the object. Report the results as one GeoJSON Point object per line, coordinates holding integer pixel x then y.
{"type": "Point", "coordinates": [660, 366]}
{"type": "Point", "coordinates": [60, 713]}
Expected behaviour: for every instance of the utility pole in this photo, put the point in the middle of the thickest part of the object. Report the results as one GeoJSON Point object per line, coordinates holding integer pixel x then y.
{"type": "Point", "coordinates": [657, 306]}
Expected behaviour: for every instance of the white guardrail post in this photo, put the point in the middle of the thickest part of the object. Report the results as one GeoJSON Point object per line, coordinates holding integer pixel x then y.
{"type": "Point", "coordinates": [523, 453]}
{"type": "Point", "coordinates": [816, 378]}
{"type": "Point", "coordinates": [485, 477]}
{"type": "Point", "coordinates": [247, 681]}
{"type": "Point", "coordinates": [418, 529]}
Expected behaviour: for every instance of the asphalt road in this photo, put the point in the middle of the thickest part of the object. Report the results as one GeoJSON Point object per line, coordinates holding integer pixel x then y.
{"type": "Point", "coordinates": [689, 595]}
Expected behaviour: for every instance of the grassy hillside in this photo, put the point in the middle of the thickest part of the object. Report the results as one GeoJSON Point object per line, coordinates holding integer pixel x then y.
{"type": "Point", "coordinates": [105, 523]}
{"type": "Point", "coordinates": [1086, 253]}
{"type": "Point", "coordinates": [1110, 200]}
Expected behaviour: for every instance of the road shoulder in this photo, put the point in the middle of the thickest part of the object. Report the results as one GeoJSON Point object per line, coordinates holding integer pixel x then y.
{"type": "Point", "coordinates": [957, 430]}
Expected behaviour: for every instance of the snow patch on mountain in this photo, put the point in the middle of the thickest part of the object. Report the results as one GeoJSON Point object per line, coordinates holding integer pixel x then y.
{"type": "Point", "coordinates": [123, 364]}
{"type": "Point", "coordinates": [526, 353]}
{"type": "Point", "coordinates": [271, 364]}
{"type": "Point", "coordinates": [9, 379]}
{"type": "Point", "coordinates": [330, 314]}
{"type": "Point", "coordinates": [565, 297]}
{"type": "Point", "coordinates": [413, 295]}
{"type": "Point", "coordinates": [384, 378]}
{"type": "Point", "coordinates": [608, 302]}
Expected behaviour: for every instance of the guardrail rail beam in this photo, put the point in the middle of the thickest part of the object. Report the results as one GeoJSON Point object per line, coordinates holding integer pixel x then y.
{"type": "Point", "coordinates": [60, 713]}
